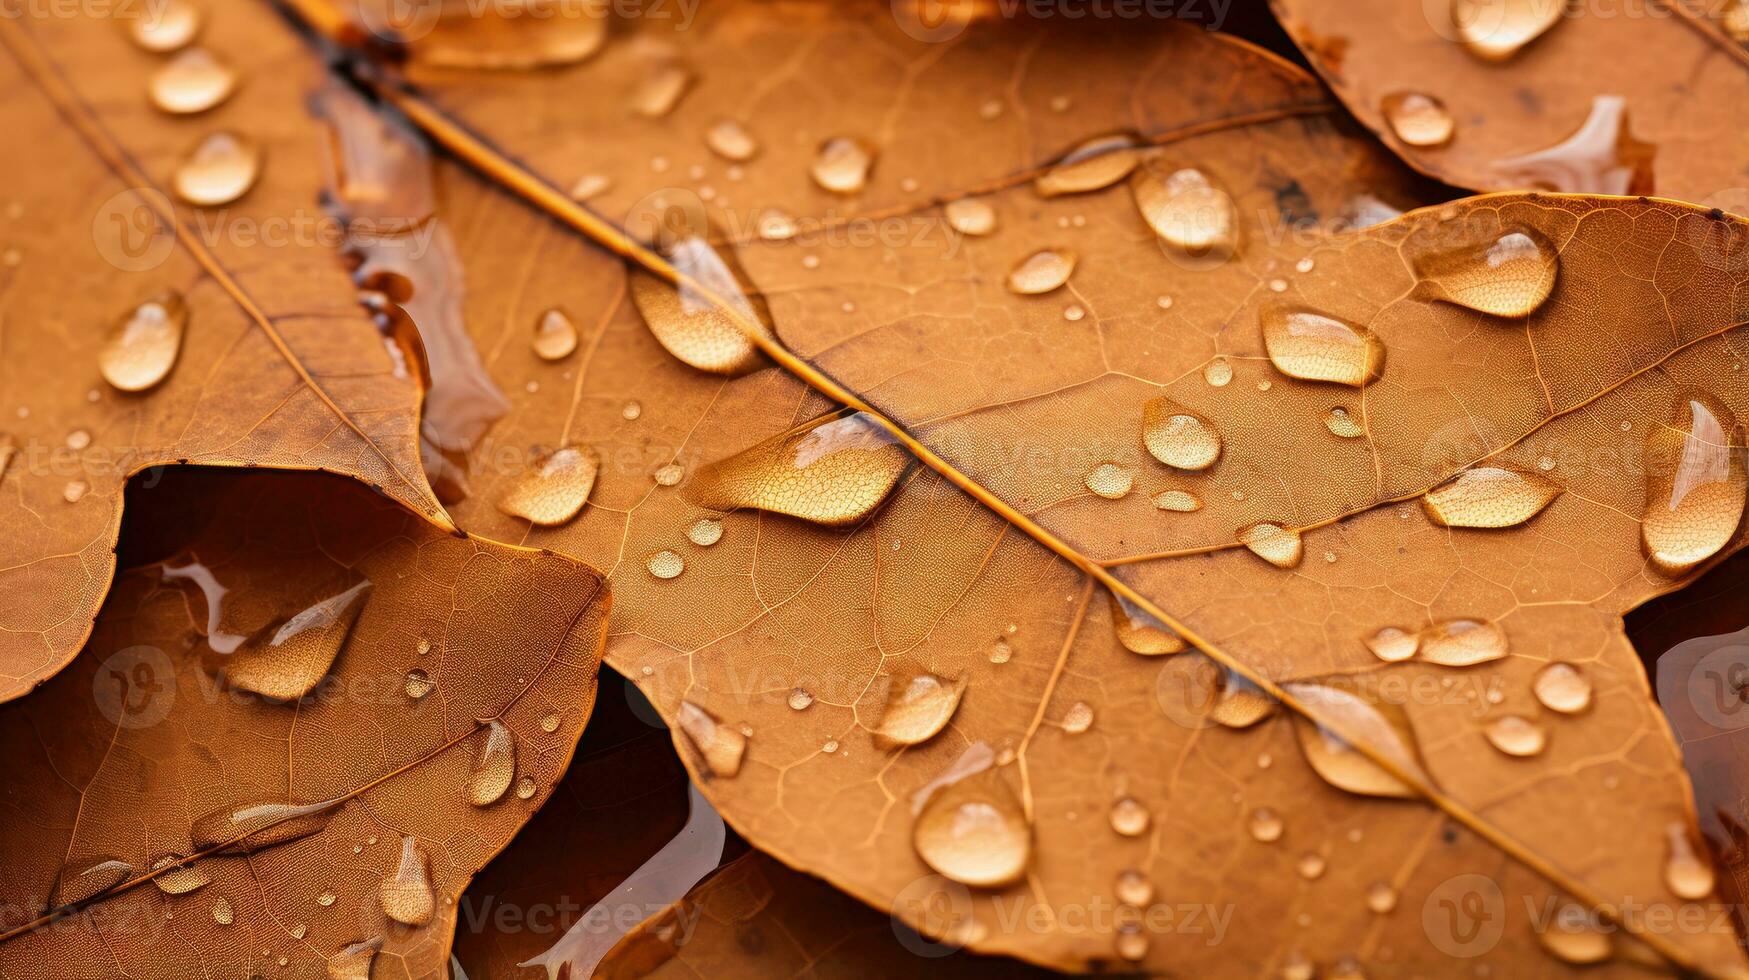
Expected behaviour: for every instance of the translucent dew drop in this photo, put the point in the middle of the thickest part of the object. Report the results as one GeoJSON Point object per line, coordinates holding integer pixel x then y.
{"type": "Point", "coordinates": [1381, 897]}
{"type": "Point", "coordinates": [590, 185]}
{"type": "Point", "coordinates": [1516, 735]}
{"type": "Point", "coordinates": [1099, 162]}
{"type": "Point", "coordinates": [166, 26]}
{"type": "Point", "coordinates": [1688, 874]}
{"type": "Point", "coordinates": [143, 345]}
{"type": "Point", "coordinates": [1111, 481]}
{"type": "Point", "coordinates": [285, 659]}
{"type": "Point", "coordinates": [1218, 373]}
{"type": "Point", "coordinates": [1314, 346]}
{"type": "Point", "coordinates": [719, 745]}
{"type": "Point", "coordinates": [353, 962]}
{"type": "Point", "coordinates": [1508, 273]}
{"type": "Point", "coordinates": [1280, 546]}
{"type": "Point", "coordinates": [709, 322]}
{"type": "Point", "coordinates": [494, 763]}
{"type": "Point", "coordinates": [223, 914]}
{"type": "Point", "coordinates": [665, 565]}
{"type": "Point", "coordinates": [842, 165]}
{"type": "Point", "coordinates": [1572, 935]}
{"type": "Point", "coordinates": [526, 788]}
{"type": "Point", "coordinates": [220, 169]}
{"type": "Point", "coordinates": [1078, 719]}
{"type": "Point", "coordinates": [1343, 425]}
{"type": "Point", "coordinates": [669, 475]}
{"type": "Point", "coordinates": [1179, 437]}
{"type": "Point", "coordinates": [556, 489]}
{"type": "Point", "coordinates": [1266, 825]}
{"type": "Point", "coordinates": [1562, 687]}
{"type": "Point", "coordinates": [705, 532]}
{"type": "Point", "coordinates": [549, 722]}
{"type": "Point", "coordinates": [730, 140]}
{"type": "Point", "coordinates": [660, 90]}
{"type": "Point", "coordinates": [1417, 119]}
{"type": "Point", "coordinates": [418, 683]}
{"type": "Point", "coordinates": [1001, 652]}
{"type": "Point", "coordinates": [1462, 643]}
{"type": "Point", "coordinates": [1393, 645]}
{"type": "Point", "coordinates": [1187, 211]}
{"type": "Point", "coordinates": [970, 216]}
{"type": "Point", "coordinates": [85, 878]}
{"type": "Point", "coordinates": [175, 877]}
{"type": "Point", "coordinates": [1489, 497]}
{"type": "Point", "coordinates": [1310, 865]}
{"type": "Point", "coordinates": [1382, 726]}
{"type": "Point", "coordinates": [1735, 21]}
{"type": "Point", "coordinates": [406, 893]}
{"type": "Point", "coordinates": [1133, 888]}
{"type": "Point", "coordinates": [973, 831]}
{"type": "Point", "coordinates": [919, 705]}
{"type": "Point", "coordinates": [250, 827]}
{"type": "Point", "coordinates": [1140, 632]}
{"type": "Point", "coordinates": [1182, 501]}
{"type": "Point", "coordinates": [1130, 817]}
{"type": "Point", "coordinates": [832, 471]}
{"type": "Point", "coordinates": [1042, 271]}
{"type": "Point", "coordinates": [799, 700]}
{"type": "Point", "coordinates": [1695, 485]}
{"type": "Point", "coordinates": [1495, 30]}
{"type": "Point", "coordinates": [555, 336]}
{"type": "Point", "coordinates": [193, 81]}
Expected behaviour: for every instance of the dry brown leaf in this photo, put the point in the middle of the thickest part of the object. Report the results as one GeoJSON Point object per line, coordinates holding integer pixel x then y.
{"type": "Point", "coordinates": [988, 568]}
{"type": "Point", "coordinates": [277, 365]}
{"type": "Point", "coordinates": [125, 768]}
{"type": "Point", "coordinates": [1639, 97]}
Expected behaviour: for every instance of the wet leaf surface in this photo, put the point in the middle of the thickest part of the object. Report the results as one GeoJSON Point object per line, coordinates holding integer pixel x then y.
{"type": "Point", "coordinates": [174, 823]}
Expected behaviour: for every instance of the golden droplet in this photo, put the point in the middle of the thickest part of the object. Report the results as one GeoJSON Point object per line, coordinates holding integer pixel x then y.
{"type": "Point", "coordinates": [285, 659]}
{"type": "Point", "coordinates": [1574, 935]}
{"type": "Point", "coordinates": [1238, 703]}
{"type": "Point", "coordinates": [731, 140]}
{"type": "Point", "coordinates": [1495, 30]}
{"type": "Point", "coordinates": [1696, 485]}
{"type": "Point", "coordinates": [1689, 875]}
{"type": "Point", "coordinates": [1310, 865]}
{"type": "Point", "coordinates": [1099, 162]}
{"type": "Point", "coordinates": [1381, 898]}
{"type": "Point", "coordinates": [1218, 373]}
{"type": "Point", "coordinates": [842, 165]}
{"type": "Point", "coordinates": [556, 489]}
{"type": "Point", "coordinates": [1393, 645]}
{"type": "Point", "coordinates": [1516, 735]}
{"type": "Point", "coordinates": [81, 880]}
{"type": "Point", "coordinates": [705, 532]}
{"type": "Point", "coordinates": [1111, 481]}
{"type": "Point", "coordinates": [799, 700]}
{"type": "Point", "coordinates": [973, 832]}
{"type": "Point", "coordinates": [1140, 632]}
{"type": "Point", "coordinates": [250, 827]}
{"type": "Point", "coordinates": [1182, 501]}
{"type": "Point", "coordinates": [1602, 157]}
{"type": "Point", "coordinates": [669, 475]}
{"type": "Point", "coordinates": [1132, 943]}
{"type": "Point", "coordinates": [1489, 497]}
{"type": "Point", "coordinates": [418, 683]}
{"type": "Point", "coordinates": [1133, 888]}
{"type": "Point", "coordinates": [354, 961]}
{"type": "Point", "coordinates": [1417, 119]}
{"type": "Point", "coordinates": [1343, 425]}
{"type": "Point", "coordinates": [143, 345]}
{"type": "Point", "coordinates": [918, 706]}
{"type": "Point", "coordinates": [1266, 825]}
{"type": "Point", "coordinates": [1187, 211]}
{"type": "Point", "coordinates": [1129, 817]}
{"type": "Point", "coordinates": [1509, 274]}
{"type": "Point", "coordinates": [193, 81]}
{"type": "Point", "coordinates": [1179, 437]}
{"type": "Point", "coordinates": [721, 746]}
{"type": "Point", "coordinates": [555, 336]}
{"type": "Point", "coordinates": [1381, 726]}
{"type": "Point", "coordinates": [1462, 643]}
{"type": "Point", "coordinates": [406, 894]}
{"type": "Point", "coordinates": [494, 762]}
{"type": "Point", "coordinates": [166, 26]}
{"type": "Point", "coordinates": [1042, 271]}
{"type": "Point", "coordinates": [1280, 546]}
{"type": "Point", "coordinates": [970, 216]}
{"type": "Point", "coordinates": [220, 169]}
{"type": "Point", "coordinates": [222, 911]}
{"type": "Point", "coordinates": [1078, 719]}
{"type": "Point", "coordinates": [174, 877]}
{"type": "Point", "coordinates": [704, 322]}
{"type": "Point", "coordinates": [832, 471]}
{"type": "Point", "coordinates": [1735, 21]}
{"type": "Point", "coordinates": [526, 788]}
{"type": "Point", "coordinates": [1315, 347]}
{"type": "Point", "coordinates": [660, 90]}
{"type": "Point", "coordinates": [666, 565]}
{"type": "Point", "coordinates": [590, 185]}
{"type": "Point", "coordinates": [550, 722]}
{"type": "Point", "coordinates": [1561, 687]}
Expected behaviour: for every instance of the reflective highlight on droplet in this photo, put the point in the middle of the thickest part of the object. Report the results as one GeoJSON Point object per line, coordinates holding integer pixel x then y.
{"type": "Point", "coordinates": [1489, 497]}
{"type": "Point", "coordinates": [1314, 346]}
{"type": "Point", "coordinates": [143, 345]}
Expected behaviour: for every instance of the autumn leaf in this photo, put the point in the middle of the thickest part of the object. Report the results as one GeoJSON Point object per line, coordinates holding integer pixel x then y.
{"type": "Point", "coordinates": [287, 747]}
{"type": "Point", "coordinates": [1630, 98]}
{"type": "Point", "coordinates": [142, 330]}
{"type": "Point", "coordinates": [1397, 488]}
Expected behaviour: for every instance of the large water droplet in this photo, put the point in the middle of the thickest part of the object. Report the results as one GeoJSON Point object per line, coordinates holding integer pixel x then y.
{"type": "Point", "coordinates": [1140, 632]}
{"type": "Point", "coordinates": [1516, 735]}
{"type": "Point", "coordinates": [220, 169]}
{"type": "Point", "coordinates": [142, 346]}
{"type": "Point", "coordinates": [1575, 936]}
{"type": "Point", "coordinates": [1687, 873]}
{"type": "Point", "coordinates": [731, 140]}
{"type": "Point", "coordinates": [494, 763]}
{"type": "Point", "coordinates": [1187, 211]}
{"type": "Point", "coordinates": [1381, 726]}
{"type": "Point", "coordinates": [660, 90]}
{"type": "Point", "coordinates": [193, 81]}
{"type": "Point", "coordinates": [406, 893]}
{"type": "Point", "coordinates": [842, 165]}
{"type": "Point", "coordinates": [1099, 162]}
{"type": "Point", "coordinates": [556, 489]}
{"type": "Point", "coordinates": [1695, 485]}
{"type": "Point", "coordinates": [720, 745]}
{"type": "Point", "coordinates": [555, 336]}
{"type": "Point", "coordinates": [973, 832]}
{"type": "Point", "coordinates": [1561, 687]}
{"type": "Point", "coordinates": [689, 323]}
{"type": "Point", "coordinates": [919, 705]}
{"type": "Point", "coordinates": [80, 880]}
{"type": "Point", "coordinates": [1462, 643]}
{"type": "Point", "coordinates": [1603, 157]}
{"type": "Point", "coordinates": [665, 564]}
{"type": "Point", "coordinates": [1392, 645]}
{"type": "Point", "coordinates": [1509, 273]}
{"type": "Point", "coordinates": [166, 26]}
{"type": "Point", "coordinates": [354, 961]}
{"type": "Point", "coordinates": [1130, 817]}
{"type": "Point", "coordinates": [705, 532]}
{"type": "Point", "coordinates": [1238, 703]}
{"type": "Point", "coordinates": [1042, 271]}
{"type": "Point", "coordinates": [1417, 119]}
{"type": "Point", "coordinates": [1317, 347]}
{"type": "Point", "coordinates": [831, 471]}
{"type": "Point", "coordinates": [418, 683]}
{"type": "Point", "coordinates": [1497, 29]}
{"type": "Point", "coordinates": [1179, 437]}
{"type": "Point", "coordinates": [253, 826]}
{"type": "Point", "coordinates": [286, 658]}
{"type": "Point", "coordinates": [1111, 481]}
{"type": "Point", "coordinates": [1133, 888]}
{"type": "Point", "coordinates": [1489, 496]}
{"type": "Point", "coordinates": [174, 877]}
{"type": "Point", "coordinates": [1280, 546]}
{"type": "Point", "coordinates": [970, 216]}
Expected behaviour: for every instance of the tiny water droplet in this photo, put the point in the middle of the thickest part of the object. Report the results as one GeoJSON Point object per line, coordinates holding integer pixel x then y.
{"type": "Point", "coordinates": [1001, 652]}
{"type": "Point", "coordinates": [75, 491]}
{"type": "Point", "coordinates": [1099, 162]}
{"type": "Point", "coordinates": [550, 722]}
{"type": "Point", "coordinates": [166, 26]}
{"type": "Point", "coordinates": [1573, 935]}
{"type": "Point", "coordinates": [1561, 687]}
{"type": "Point", "coordinates": [220, 169]}
{"type": "Point", "coordinates": [555, 336]}
{"type": "Point", "coordinates": [193, 81]}
{"type": "Point", "coordinates": [1297, 967]}
{"type": "Point", "coordinates": [1418, 119]}
{"type": "Point", "coordinates": [970, 216]}
{"type": "Point", "coordinates": [705, 532]}
{"type": "Point", "coordinates": [1488, 497]}
{"type": "Point", "coordinates": [526, 788]}
{"type": "Point", "coordinates": [354, 961]}
{"type": "Point", "coordinates": [1516, 735]}
{"type": "Point", "coordinates": [1462, 643]}
{"type": "Point", "coordinates": [1140, 632]}
{"type": "Point", "coordinates": [1695, 487]}
{"type": "Point", "coordinates": [669, 474]}
{"type": "Point", "coordinates": [1111, 481]}
{"type": "Point", "coordinates": [1735, 21]}
{"type": "Point", "coordinates": [406, 894]}
{"type": "Point", "coordinates": [1310, 865]}
{"type": "Point", "coordinates": [1495, 30]}
{"type": "Point", "coordinates": [1266, 825]}
{"type": "Point", "coordinates": [590, 185]}
{"type": "Point", "coordinates": [1343, 425]}
{"type": "Point", "coordinates": [1280, 546]}
{"type": "Point", "coordinates": [842, 165]}
{"type": "Point", "coordinates": [721, 746]}
{"type": "Point", "coordinates": [78, 439]}
{"type": "Point", "coordinates": [325, 899]}
{"type": "Point", "coordinates": [919, 705]}
{"type": "Point", "coordinates": [556, 489]}
{"type": "Point", "coordinates": [730, 140]}
{"type": "Point", "coordinates": [1079, 718]}
{"type": "Point", "coordinates": [800, 699]}
{"type": "Point", "coordinates": [1177, 500]}
{"type": "Point", "coordinates": [631, 411]}
{"type": "Point", "coordinates": [1178, 436]}
{"type": "Point", "coordinates": [1317, 347]}
{"type": "Point", "coordinates": [419, 683]}
{"type": "Point", "coordinates": [250, 827]}
{"type": "Point", "coordinates": [1393, 645]}
{"type": "Point", "coordinates": [660, 90]}
{"type": "Point", "coordinates": [1381, 898]}
{"type": "Point", "coordinates": [174, 877]}
{"type": "Point", "coordinates": [222, 911]}
{"type": "Point", "coordinates": [1218, 372]}
{"type": "Point", "coordinates": [1132, 943]}
{"type": "Point", "coordinates": [494, 762]}
{"type": "Point", "coordinates": [1187, 211]}
{"type": "Point", "coordinates": [1074, 312]}
{"type": "Point", "coordinates": [1687, 873]}
{"type": "Point", "coordinates": [665, 565]}
{"type": "Point", "coordinates": [142, 346]}
{"type": "Point", "coordinates": [299, 931]}
{"type": "Point", "coordinates": [972, 831]}
{"type": "Point", "coordinates": [1134, 888]}
{"type": "Point", "coordinates": [1042, 271]}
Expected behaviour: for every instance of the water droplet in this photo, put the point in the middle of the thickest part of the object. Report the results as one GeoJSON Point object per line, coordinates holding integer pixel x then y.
{"type": "Point", "coordinates": [830, 746]}
{"type": "Point", "coordinates": [704, 325]}
{"type": "Point", "coordinates": [1381, 897]}
{"type": "Point", "coordinates": [1496, 29]}
{"type": "Point", "coordinates": [1695, 486]}
{"type": "Point", "coordinates": [1266, 825]}
{"type": "Point", "coordinates": [75, 491]}
{"type": "Point", "coordinates": [325, 899]}
{"type": "Point", "coordinates": [91, 876]}
{"type": "Point", "coordinates": [297, 931]}
{"type": "Point", "coordinates": [1488, 497]}
{"type": "Point", "coordinates": [1001, 652]}
{"type": "Point", "coordinates": [1099, 162]}
{"type": "Point", "coordinates": [1179, 437]}
{"type": "Point", "coordinates": [220, 169]}
{"type": "Point", "coordinates": [669, 474]}
{"type": "Point", "coordinates": [731, 140]}
{"type": "Point", "coordinates": [555, 336]}
{"type": "Point", "coordinates": [1218, 372]}
{"type": "Point", "coordinates": [166, 26]}
{"type": "Point", "coordinates": [1561, 687]}
{"type": "Point", "coordinates": [800, 699]}
{"type": "Point", "coordinates": [660, 90]}
{"type": "Point", "coordinates": [1417, 119]}
{"type": "Point", "coordinates": [1140, 632]}
{"type": "Point", "coordinates": [1280, 546]}
{"type": "Point", "coordinates": [1079, 718]}
{"type": "Point", "coordinates": [193, 81]}
{"type": "Point", "coordinates": [1343, 425]}
{"type": "Point", "coordinates": [919, 704]}
{"type": "Point", "coordinates": [251, 827]}
{"type": "Point", "coordinates": [970, 216]}
{"type": "Point", "coordinates": [222, 911]}
{"type": "Point", "coordinates": [1735, 21]}
{"type": "Point", "coordinates": [842, 165]}
{"type": "Point", "coordinates": [833, 471]}
{"type": "Point", "coordinates": [972, 831]}
{"type": "Point", "coordinates": [1110, 481]}
{"type": "Point", "coordinates": [590, 185]}
{"type": "Point", "coordinates": [550, 722]}
{"type": "Point", "coordinates": [1310, 865]}
{"type": "Point", "coordinates": [285, 659]}
{"type": "Point", "coordinates": [1187, 211]}
{"type": "Point", "coordinates": [1574, 936]}
{"type": "Point", "coordinates": [406, 894]}
{"type": "Point", "coordinates": [494, 762]}
{"type": "Point", "coordinates": [1393, 645]}
{"type": "Point", "coordinates": [1133, 888]}
{"type": "Point", "coordinates": [1462, 643]}
{"type": "Point", "coordinates": [78, 439]}
{"type": "Point", "coordinates": [665, 565]}
{"type": "Point", "coordinates": [705, 532]}
{"type": "Point", "coordinates": [354, 961]}
{"type": "Point", "coordinates": [423, 647]}
{"type": "Point", "coordinates": [1042, 271]}
{"type": "Point", "coordinates": [1509, 274]}
{"type": "Point", "coordinates": [556, 489]}
{"type": "Point", "coordinates": [1382, 726]}
{"type": "Point", "coordinates": [418, 684]}
{"type": "Point", "coordinates": [1074, 312]}
{"type": "Point", "coordinates": [142, 347]}
{"type": "Point", "coordinates": [1603, 157]}
{"type": "Point", "coordinates": [721, 746]}
{"type": "Point", "coordinates": [526, 788]}
{"type": "Point", "coordinates": [1182, 501]}
{"type": "Point", "coordinates": [1688, 874]}
{"type": "Point", "coordinates": [1316, 347]}
{"type": "Point", "coordinates": [174, 877]}
{"type": "Point", "coordinates": [1516, 735]}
